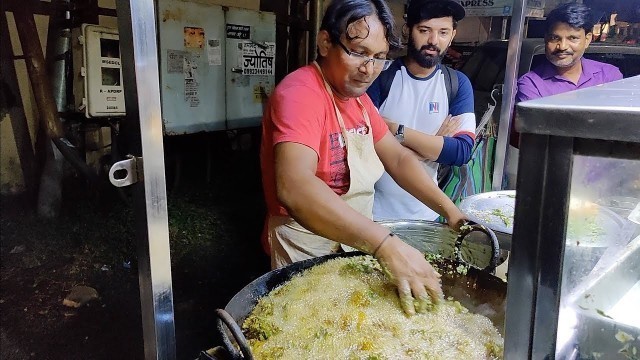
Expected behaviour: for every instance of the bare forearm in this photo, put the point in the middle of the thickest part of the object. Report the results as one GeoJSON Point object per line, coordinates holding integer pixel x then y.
{"type": "Point", "coordinates": [316, 207]}
{"type": "Point", "coordinates": [425, 146]}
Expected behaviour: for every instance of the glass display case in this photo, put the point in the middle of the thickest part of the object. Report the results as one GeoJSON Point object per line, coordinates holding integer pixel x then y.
{"type": "Point", "coordinates": [574, 271]}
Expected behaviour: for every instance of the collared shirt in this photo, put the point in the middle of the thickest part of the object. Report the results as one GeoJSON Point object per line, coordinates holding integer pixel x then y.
{"type": "Point", "coordinates": [544, 80]}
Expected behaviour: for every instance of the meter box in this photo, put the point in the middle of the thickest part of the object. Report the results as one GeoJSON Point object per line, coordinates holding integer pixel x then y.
{"type": "Point", "coordinates": [97, 90]}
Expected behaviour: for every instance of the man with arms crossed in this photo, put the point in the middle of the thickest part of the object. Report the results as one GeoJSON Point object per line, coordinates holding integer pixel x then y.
{"type": "Point", "coordinates": [418, 105]}
{"type": "Point", "coordinates": [324, 146]}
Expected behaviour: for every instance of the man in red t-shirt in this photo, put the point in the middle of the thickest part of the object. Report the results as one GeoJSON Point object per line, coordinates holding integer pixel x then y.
{"type": "Point", "coordinates": [324, 146]}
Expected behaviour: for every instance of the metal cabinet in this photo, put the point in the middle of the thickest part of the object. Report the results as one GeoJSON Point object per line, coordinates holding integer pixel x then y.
{"type": "Point", "coordinates": [250, 65]}
{"type": "Point", "coordinates": [216, 65]}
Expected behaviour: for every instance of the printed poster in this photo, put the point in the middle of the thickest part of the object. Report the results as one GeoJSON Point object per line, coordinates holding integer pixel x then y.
{"type": "Point", "coordinates": [258, 58]}
{"type": "Point", "coordinates": [175, 61]}
{"type": "Point", "coordinates": [214, 52]}
{"type": "Point", "coordinates": [193, 37]}
{"type": "Point", "coordinates": [191, 83]}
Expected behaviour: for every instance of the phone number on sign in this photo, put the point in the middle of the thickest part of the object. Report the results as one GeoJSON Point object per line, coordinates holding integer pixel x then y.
{"type": "Point", "coordinates": [257, 72]}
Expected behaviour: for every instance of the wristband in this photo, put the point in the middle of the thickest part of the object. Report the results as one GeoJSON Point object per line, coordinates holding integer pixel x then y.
{"type": "Point", "coordinates": [382, 242]}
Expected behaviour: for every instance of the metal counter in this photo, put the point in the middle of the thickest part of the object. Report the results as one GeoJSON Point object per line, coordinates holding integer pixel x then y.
{"type": "Point", "coordinates": [583, 142]}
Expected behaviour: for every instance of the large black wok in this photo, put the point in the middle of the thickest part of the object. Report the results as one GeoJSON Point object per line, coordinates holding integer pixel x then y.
{"type": "Point", "coordinates": [478, 290]}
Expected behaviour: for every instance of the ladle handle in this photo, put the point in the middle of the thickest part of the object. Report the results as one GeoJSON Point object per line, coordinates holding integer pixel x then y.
{"type": "Point", "coordinates": [224, 319]}
{"type": "Point", "coordinates": [467, 229]}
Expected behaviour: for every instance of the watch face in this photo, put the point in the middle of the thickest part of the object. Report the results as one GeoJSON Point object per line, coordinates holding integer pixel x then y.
{"type": "Point", "coordinates": [400, 133]}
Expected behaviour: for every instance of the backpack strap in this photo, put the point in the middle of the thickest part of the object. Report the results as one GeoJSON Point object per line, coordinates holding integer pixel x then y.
{"type": "Point", "coordinates": [450, 82]}
{"type": "Point", "coordinates": [386, 79]}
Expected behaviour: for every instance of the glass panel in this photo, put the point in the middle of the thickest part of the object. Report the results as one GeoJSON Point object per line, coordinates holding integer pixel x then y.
{"type": "Point", "coordinates": [110, 76]}
{"type": "Point", "coordinates": [472, 66]}
{"type": "Point", "coordinates": [488, 75]}
{"type": "Point", "coordinates": [537, 60]}
{"type": "Point", "coordinates": [600, 292]}
{"type": "Point", "coordinates": [109, 48]}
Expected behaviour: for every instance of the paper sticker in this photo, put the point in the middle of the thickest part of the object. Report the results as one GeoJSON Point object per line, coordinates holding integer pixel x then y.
{"type": "Point", "coordinates": [214, 52]}
{"type": "Point", "coordinates": [259, 93]}
{"type": "Point", "coordinates": [175, 61]}
{"type": "Point", "coordinates": [242, 32]}
{"type": "Point", "coordinates": [193, 37]}
{"type": "Point", "coordinates": [262, 89]}
{"type": "Point", "coordinates": [258, 58]}
{"type": "Point", "coordinates": [191, 94]}
{"type": "Point", "coordinates": [191, 85]}
{"type": "Point", "coordinates": [190, 66]}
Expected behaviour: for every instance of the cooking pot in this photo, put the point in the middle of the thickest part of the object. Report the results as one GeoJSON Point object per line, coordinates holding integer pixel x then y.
{"type": "Point", "coordinates": [437, 238]}
{"type": "Point", "coordinates": [478, 290]}
{"type": "Point", "coordinates": [591, 228]}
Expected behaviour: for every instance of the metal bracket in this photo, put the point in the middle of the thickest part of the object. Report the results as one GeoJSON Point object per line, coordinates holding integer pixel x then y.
{"type": "Point", "coordinates": [133, 168]}
{"type": "Point", "coordinates": [236, 70]}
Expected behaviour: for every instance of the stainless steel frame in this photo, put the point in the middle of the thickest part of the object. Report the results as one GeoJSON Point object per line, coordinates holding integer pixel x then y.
{"type": "Point", "coordinates": [509, 92]}
{"type": "Point", "coordinates": [600, 121]}
{"type": "Point", "coordinates": [138, 41]}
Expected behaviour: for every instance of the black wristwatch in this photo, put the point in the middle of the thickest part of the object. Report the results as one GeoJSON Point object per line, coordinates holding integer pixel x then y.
{"type": "Point", "coordinates": [400, 134]}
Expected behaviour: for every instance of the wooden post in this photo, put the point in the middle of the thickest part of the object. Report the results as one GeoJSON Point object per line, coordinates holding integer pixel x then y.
{"type": "Point", "coordinates": [281, 9]}
{"type": "Point", "coordinates": [19, 124]}
{"type": "Point", "coordinates": [37, 69]}
{"type": "Point", "coordinates": [41, 86]}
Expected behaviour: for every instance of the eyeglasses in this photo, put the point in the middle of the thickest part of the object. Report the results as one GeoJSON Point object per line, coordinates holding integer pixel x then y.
{"type": "Point", "coordinates": [378, 64]}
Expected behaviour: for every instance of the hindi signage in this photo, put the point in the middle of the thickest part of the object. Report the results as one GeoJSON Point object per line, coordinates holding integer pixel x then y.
{"type": "Point", "coordinates": [241, 32]}
{"type": "Point", "coordinates": [258, 59]}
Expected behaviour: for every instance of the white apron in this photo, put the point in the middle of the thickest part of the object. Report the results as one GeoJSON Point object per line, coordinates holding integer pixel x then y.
{"type": "Point", "coordinates": [290, 242]}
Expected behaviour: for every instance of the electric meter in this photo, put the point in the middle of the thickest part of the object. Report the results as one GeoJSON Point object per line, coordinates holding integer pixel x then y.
{"type": "Point", "coordinates": [98, 90]}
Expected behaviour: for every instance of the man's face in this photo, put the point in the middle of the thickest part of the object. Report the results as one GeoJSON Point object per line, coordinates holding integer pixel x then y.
{"type": "Point", "coordinates": [429, 40]}
{"type": "Point", "coordinates": [565, 45]}
{"type": "Point", "coordinates": [347, 74]}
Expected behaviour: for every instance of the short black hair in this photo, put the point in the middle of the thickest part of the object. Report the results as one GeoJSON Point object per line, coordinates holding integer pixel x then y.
{"type": "Point", "coordinates": [421, 10]}
{"type": "Point", "coordinates": [576, 15]}
{"type": "Point", "coordinates": [342, 13]}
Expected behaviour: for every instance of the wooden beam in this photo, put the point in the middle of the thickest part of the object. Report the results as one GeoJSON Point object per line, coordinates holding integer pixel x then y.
{"type": "Point", "coordinates": [46, 8]}
{"type": "Point", "coordinates": [36, 67]}
{"type": "Point", "coordinates": [15, 108]}
{"type": "Point", "coordinates": [85, 11]}
{"type": "Point", "coordinates": [281, 9]}
{"type": "Point", "coordinates": [34, 6]}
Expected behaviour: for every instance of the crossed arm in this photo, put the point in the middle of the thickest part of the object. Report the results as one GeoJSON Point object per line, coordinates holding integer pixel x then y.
{"type": "Point", "coordinates": [430, 147]}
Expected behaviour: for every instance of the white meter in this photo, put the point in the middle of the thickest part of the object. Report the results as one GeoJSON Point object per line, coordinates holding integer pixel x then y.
{"type": "Point", "coordinates": [97, 89]}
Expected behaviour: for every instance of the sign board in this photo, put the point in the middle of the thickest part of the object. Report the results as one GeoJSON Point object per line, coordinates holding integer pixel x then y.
{"type": "Point", "coordinates": [258, 58]}
{"type": "Point", "coordinates": [535, 8]}
{"type": "Point", "coordinates": [242, 32]}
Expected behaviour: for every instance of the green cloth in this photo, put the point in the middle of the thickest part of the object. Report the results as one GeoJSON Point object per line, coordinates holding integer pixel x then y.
{"type": "Point", "coordinates": [474, 177]}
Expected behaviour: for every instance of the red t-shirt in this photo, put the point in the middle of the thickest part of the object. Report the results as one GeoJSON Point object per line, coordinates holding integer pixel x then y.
{"type": "Point", "coordinates": [300, 110]}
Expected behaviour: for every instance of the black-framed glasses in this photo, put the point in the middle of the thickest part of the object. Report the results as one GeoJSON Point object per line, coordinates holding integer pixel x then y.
{"type": "Point", "coordinates": [378, 64]}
